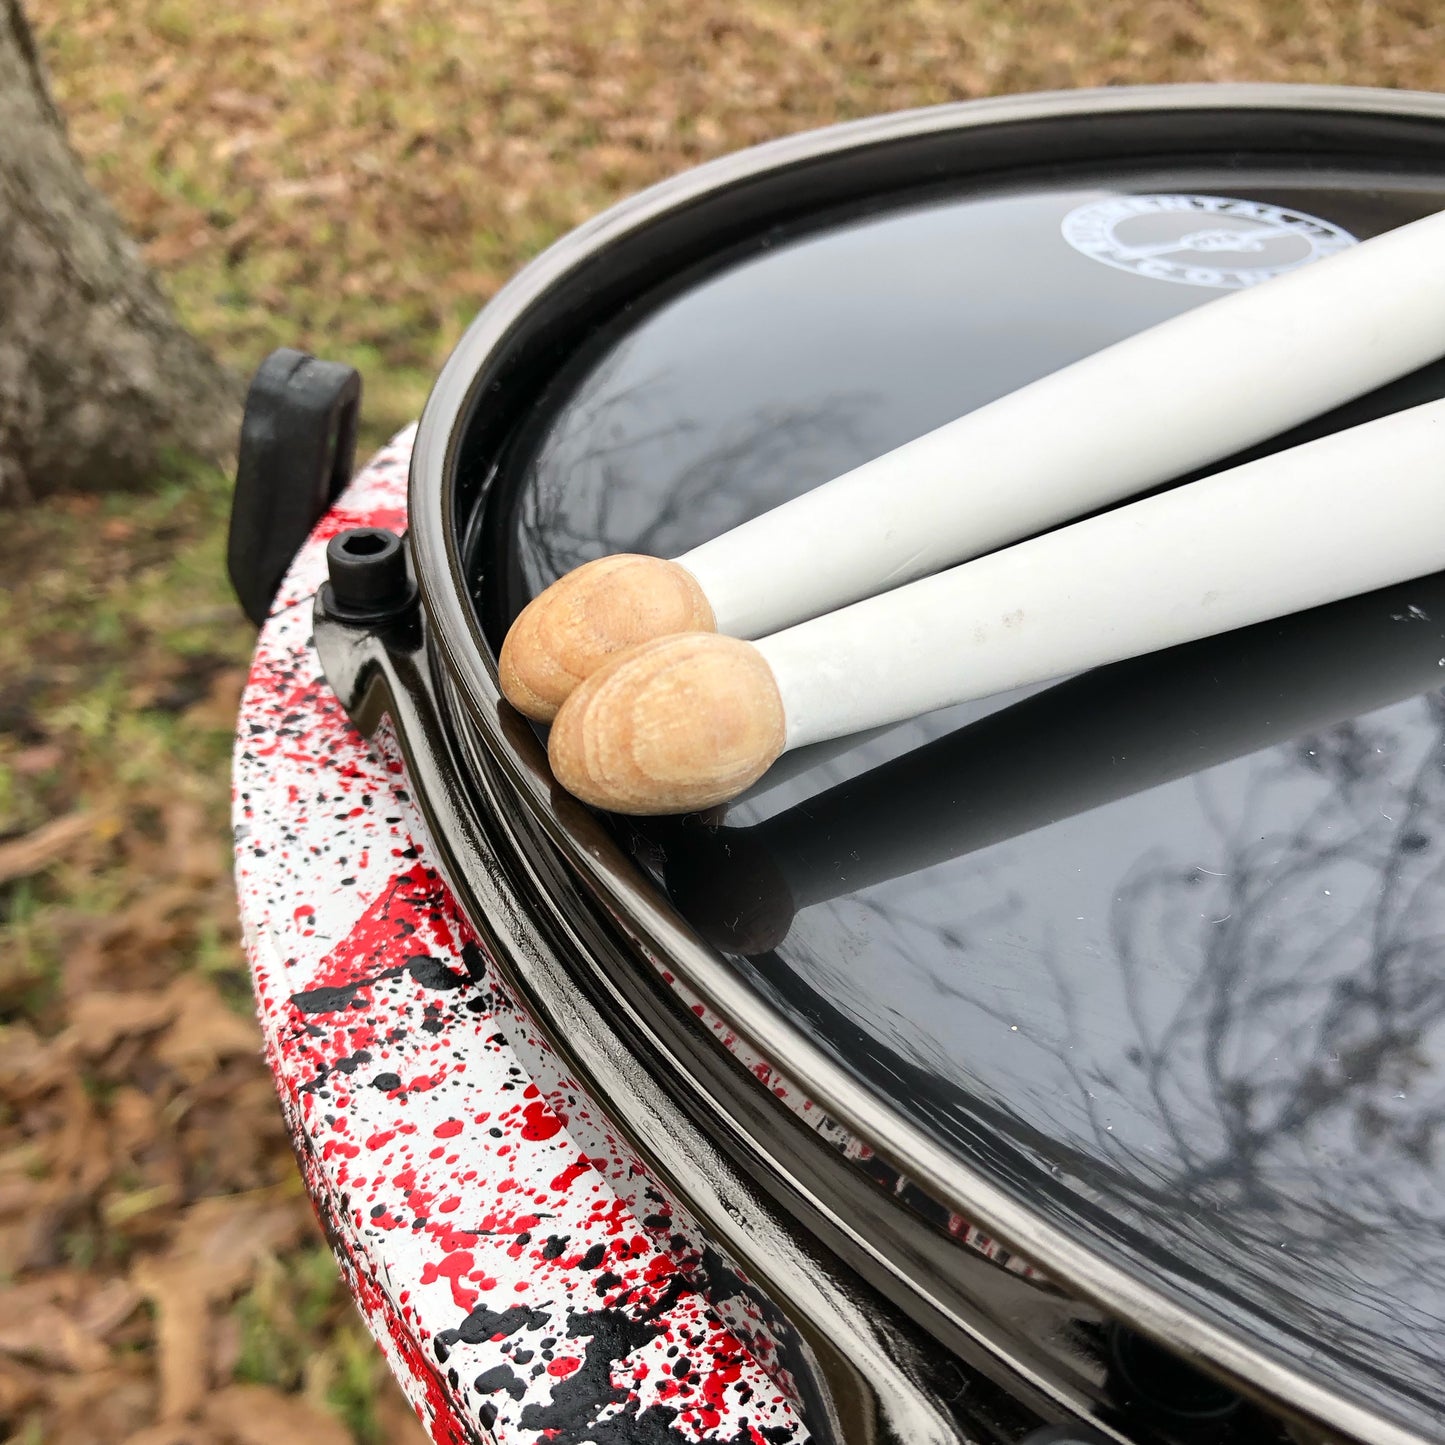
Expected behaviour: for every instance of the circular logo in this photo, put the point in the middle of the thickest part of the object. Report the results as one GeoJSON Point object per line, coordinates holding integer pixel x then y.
{"type": "Point", "coordinates": [1200, 240]}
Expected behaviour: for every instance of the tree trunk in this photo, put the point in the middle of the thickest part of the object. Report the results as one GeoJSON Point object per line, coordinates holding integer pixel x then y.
{"type": "Point", "coordinates": [99, 382]}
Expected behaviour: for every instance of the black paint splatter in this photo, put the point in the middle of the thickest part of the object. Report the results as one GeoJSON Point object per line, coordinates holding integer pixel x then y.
{"type": "Point", "coordinates": [493, 1381]}
{"type": "Point", "coordinates": [334, 998]}
{"type": "Point", "coordinates": [475, 961]}
{"type": "Point", "coordinates": [434, 974]}
{"type": "Point", "coordinates": [484, 1324]}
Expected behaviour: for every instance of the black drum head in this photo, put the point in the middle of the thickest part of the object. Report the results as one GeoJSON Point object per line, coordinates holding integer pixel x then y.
{"type": "Point", "coordinates": [1160, 948]}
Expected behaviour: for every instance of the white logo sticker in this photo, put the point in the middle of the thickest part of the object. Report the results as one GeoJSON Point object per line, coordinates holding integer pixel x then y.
{"type": "Point", "coordinates": [1201, 240]}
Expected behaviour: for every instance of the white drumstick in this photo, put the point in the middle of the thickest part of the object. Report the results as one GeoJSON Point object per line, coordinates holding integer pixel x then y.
{"type": "Point", "coordinates": [688, 721]}
{"type": "Point", "coordinates": [1194, 389]}
{"type": "Point", "coordinates": [1065, 749]}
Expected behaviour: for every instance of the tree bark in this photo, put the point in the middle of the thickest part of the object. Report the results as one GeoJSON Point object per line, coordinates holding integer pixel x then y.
{"type": "Point", "coordinates": [100, 385]}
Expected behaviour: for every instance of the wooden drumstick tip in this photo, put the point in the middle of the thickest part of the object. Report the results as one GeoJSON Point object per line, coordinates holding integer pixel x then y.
{"type": "Point", "coordinates": [567, 632]}
{"type": "Point", "coordinates": [674, 725]}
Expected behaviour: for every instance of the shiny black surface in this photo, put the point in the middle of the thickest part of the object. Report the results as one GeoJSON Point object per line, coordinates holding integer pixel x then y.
{"type": "Point", "coordinates": [1160, 946]}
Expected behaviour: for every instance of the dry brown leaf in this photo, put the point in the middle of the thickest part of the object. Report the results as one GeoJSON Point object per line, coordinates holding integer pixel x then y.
{"type": "Point", "coordinates": [24, 1240]}
{"type": "Point", "coordinates": [35, 1327]}
{"type": "Point", "coordinates": [181, 1309]}
{"type": "Point", "coordinates": [147, 922]}
{"type": "Point", "coordinates": [101, 1407]}
{"type": "Point", "coordinates": [20, 1386]}
{"type": "Point", "coordinates": [213, 1251]}
{"type": "Point", "coordinates": [100, 1020]}
{"type": "Point", "coordinates": [204, 1030]}
{"type": "Point", "coordinates": [222, 701]}
{"type": "Point", "coordinates": [24, 857]}
{"type": "Point", "coordinates": [48, 1338]}
{"type": "Point", "coordinates": [20, 1195]}
{"type": "Point", "coordinates": [187, 829]}
{"type": "Point", "coordinates": [255, 1415]}
{"type": "Point", "coordinates": [28, 1064]}
{"type": "Point", "coordinates": [175, 1432]}
{"type": "Point", "coordinates": [104, 1310]}
{"type": "Point", "coordinates": [201, 1029]}
{"type": "Point", "coordinates": [79, 1158]}
{"type": "Point", "coordinates": [133, 1122]}
{"type": "Point", "coordinates": [223, 1237]}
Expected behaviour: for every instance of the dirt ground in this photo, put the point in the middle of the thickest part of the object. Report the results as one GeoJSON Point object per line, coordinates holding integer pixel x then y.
{"type": "Point", "coordinates": [355, 179]}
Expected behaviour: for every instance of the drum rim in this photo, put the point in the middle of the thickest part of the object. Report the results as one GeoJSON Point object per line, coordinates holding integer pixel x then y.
{"type": "Point", "coordinates": [587, 850]}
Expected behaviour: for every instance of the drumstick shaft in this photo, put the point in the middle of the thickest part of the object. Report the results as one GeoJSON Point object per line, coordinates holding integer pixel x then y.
{"type": "Point", "coordinates": [1340, 516]}
{"type": "Point", "coordinates": [1194, 389]}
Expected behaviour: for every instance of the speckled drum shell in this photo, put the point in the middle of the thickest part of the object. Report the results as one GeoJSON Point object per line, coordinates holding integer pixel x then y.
{"type": "Point", "coordinates": [514, 1292]}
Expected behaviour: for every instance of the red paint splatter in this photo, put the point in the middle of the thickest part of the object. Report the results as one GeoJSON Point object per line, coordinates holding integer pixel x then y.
{"type": "Point", "coordinates": [541, 1123]}
{"type": "Point", "coordinates": [454, 1267]}
{"type": "Point", "coordinates": [571, 1174]}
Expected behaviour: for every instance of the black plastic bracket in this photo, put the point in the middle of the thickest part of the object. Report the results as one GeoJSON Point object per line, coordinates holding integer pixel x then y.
{"type": "Point", "coordinates": [298, 445]}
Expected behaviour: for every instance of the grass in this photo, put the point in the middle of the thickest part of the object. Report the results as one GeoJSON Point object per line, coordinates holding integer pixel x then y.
{"type": "Point", "coordinates": [357, 179]}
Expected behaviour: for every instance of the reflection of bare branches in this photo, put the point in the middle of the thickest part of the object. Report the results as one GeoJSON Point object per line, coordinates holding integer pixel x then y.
{"type": "Point", "coordinates": [1287, 1076]}
{"type": "Point", "coordinates": [624, 468]}
{"type": "Point", "coordinates": [1237, 1082]}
